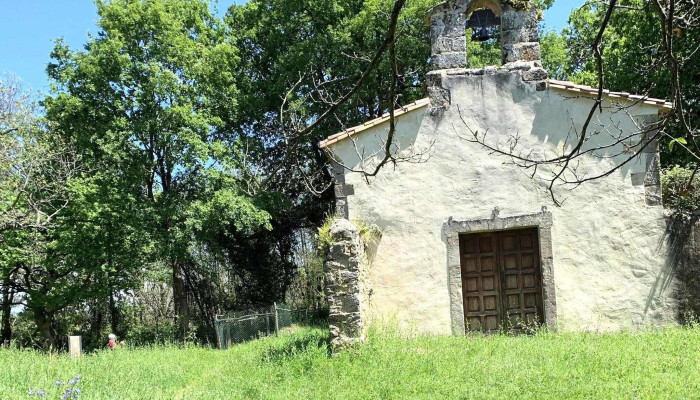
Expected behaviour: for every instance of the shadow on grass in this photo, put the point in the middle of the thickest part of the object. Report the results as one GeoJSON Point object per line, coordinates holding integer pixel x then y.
{"type": "Point", "coordinates": [292, 345]}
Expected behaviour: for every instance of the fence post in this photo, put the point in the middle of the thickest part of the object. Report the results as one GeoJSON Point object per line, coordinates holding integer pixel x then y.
{"type": "Point", "coordinates": [267, 323]}
{"type": "Point", "coordinates": [217, 326]}
{"type": "Point", "coordinates": [277, 320]}
{"type": "Point", "coordinates": [75, 346]}
{"type": "Point", "coordinates": [228, 334]}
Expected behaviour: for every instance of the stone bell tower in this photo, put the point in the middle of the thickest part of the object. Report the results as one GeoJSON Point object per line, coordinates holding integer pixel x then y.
{"type": "Point", "coordinates": [519, 38]}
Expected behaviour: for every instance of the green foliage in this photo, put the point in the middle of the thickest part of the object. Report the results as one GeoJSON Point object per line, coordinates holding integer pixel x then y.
{"type": "Point", "coordinates": [369, 233]}
{"type": "Point", "coordinates": [146, 104]}
{"type": "Point", "coordinates": [522, 5]}
{"type": "Point", "coordinates": [483, 54]}
{"type": "Point", "coordinates": [681, 189]}
{"type": "Point", "coordinates": [392, 365]}
{"type": "Point", "coordinates": [307, 290]}
{"type": "Point", "coordinates": [324, 237]}
{"type": "Point", "coordinates": [676, 140]}
{"type": "Point", "coordinates": [555, 55]}
{"type": "Point", "coordinates": [518, 4]}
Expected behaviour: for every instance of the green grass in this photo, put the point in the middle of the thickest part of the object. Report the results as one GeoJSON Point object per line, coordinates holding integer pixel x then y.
{"type": "Point", "coordinates": [663, 365]}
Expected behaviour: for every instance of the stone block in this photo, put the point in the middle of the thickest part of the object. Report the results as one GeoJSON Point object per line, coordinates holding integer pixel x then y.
{"type": "Point", "coordinates": [535, 74]}
{"type": "Point", "coordinates": [446, 44]}
{"type": "Point", "coordinates": [638, 178]}
{"type": "Point", "coordinates": [440, 97]}
{"type": "Point", "coordinates": [529, 51]}
{"type": "Point", "coordinates": [449, 60]}
{"type": "Point", "coordinates": [343, 190]}
{"type": "Point", "coordinates": [516, 19]}
{"type": "Point", "coordinates": [652, 147]}
{"type": "Point", "coordinates": [520, 35]}
{"type": "Point", "coordinates": [652, 195]}
{"type": "Point", "coordinates": [473, 72]}
{"type": "Point", "coordinates": [653, 162]}
{"type": "Point", "coordinates": [652, 178]}
{"type": "Point", "coordinates": [341, 207]}
{"type": "Point", "coordinates": [518, 66]}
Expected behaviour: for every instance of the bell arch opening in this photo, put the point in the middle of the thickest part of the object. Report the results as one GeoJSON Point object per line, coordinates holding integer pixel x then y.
{"type": "Point", "coordinates": [474, 33]}
{"type": "Point", "coordinates": [483, 34]}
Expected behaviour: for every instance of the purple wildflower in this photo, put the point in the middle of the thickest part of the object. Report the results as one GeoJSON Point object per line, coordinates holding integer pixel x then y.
{"type": "Point", "coordinates": [30, 393]}
{"type": "Point", "coordinates": [58, 383]}
{"type": "Point", "coordinates": [41, 393]}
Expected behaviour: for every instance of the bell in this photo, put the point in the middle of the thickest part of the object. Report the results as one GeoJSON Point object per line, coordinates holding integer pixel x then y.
{"type": "Point", "coordinates": [483, 35]}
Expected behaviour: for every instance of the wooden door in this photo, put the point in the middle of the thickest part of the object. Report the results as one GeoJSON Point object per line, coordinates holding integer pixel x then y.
{"type": "Point", "coordinates": [501, 280]}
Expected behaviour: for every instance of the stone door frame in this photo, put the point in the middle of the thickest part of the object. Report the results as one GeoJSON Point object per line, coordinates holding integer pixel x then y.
{"type": "Point", "coordinates": [453, 228]}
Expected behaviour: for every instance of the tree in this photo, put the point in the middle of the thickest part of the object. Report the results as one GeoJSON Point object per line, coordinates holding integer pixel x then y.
{"type": "Point", "coordinates": [35, 172]}
{"type": "Point", "coordinates": [555, 56]}
{"type": "Point", "coordinates": [650, 47]}
{"type": "Point", "coordinates": [301, 57]}
{"type": "Point", "coordinates": [145, 103]}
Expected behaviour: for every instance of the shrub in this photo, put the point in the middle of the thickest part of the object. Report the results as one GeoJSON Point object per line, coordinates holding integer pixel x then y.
{"type": "Point", "coordinates": [680, 189]}
{"type": "Point", "coordinates": [324, 237]}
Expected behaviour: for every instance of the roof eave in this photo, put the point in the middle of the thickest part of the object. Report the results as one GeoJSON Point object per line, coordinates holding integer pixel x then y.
{"type": "Point", "coordinates": [333, 139]}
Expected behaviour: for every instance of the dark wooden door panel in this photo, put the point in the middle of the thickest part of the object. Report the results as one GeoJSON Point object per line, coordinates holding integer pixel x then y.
{"type": "Point", "coordinates": [522, 282]}
{"type": "Point", "coordinates": [480, 281]}
{"type": "Point", "coordinates": [501, 279]}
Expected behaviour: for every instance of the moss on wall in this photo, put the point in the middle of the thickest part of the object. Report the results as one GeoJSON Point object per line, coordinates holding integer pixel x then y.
{"type": "Point", "coordinates": [520, 5]}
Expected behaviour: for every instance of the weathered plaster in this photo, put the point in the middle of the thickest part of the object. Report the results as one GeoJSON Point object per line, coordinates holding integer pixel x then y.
{"type": "Point", "coordinates": [608, 244]}
{"type": "Point", "coordinates": [452, 230]}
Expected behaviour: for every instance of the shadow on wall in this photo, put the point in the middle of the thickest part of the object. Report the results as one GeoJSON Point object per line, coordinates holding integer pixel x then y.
{"type": "Point", "coordinates": [406, 144]}
{"type": "Point", "coordinates": [683, 264]}
{"type": "Point", "coordinates": [558, 120]}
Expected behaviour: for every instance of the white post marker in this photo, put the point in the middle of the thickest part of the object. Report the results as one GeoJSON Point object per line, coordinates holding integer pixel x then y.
{"type": "Point", "coordinates": [75, 346]}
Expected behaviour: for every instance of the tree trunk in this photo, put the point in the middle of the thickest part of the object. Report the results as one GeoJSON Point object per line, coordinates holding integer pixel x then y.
{"type": "Point", "coordinates": [98, 326]}
{"type": "Point", "coordinates": [43, 321]}
{"type": "Point", "coordinates": [180, 300]}
{"type": "Point", "coordinates": [113, 313]}
{"type": "Point", "coordinates": [6, 310]}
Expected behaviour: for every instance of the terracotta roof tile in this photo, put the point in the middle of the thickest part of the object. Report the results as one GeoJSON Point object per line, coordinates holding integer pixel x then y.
{"type": "Point", "coordinates": [572, 87]}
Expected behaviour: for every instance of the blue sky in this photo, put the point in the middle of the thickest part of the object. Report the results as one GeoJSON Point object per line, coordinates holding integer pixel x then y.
{"type": "Point", "coordinates": [28, 29]}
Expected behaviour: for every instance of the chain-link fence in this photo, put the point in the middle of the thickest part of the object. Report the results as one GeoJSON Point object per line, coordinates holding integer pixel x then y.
{"type": "Point", "coordinates": [258, 323]}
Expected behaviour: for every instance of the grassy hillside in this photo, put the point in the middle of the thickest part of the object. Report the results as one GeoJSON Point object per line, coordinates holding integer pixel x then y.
{"type": "Point", "coordinates": [663, 364]}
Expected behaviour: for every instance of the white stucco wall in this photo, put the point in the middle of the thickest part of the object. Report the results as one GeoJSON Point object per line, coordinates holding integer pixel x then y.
{"type": "Point", "coordinates": [608, 246]}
